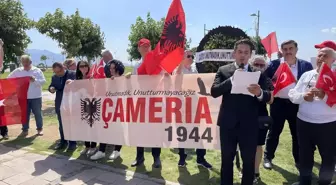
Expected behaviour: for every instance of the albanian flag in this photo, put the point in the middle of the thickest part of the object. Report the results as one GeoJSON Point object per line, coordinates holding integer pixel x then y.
{"type": "Point", "coordinates": [169, 51]}
{"type": "Point", "coordinates": [13, 100]}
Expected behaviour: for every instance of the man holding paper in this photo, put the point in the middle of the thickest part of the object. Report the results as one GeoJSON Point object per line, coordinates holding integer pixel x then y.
{"type": "Point", "coordinates": [238, 115]}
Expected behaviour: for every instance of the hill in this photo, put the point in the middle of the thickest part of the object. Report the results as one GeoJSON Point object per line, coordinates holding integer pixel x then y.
{"type": "Point", "coordinates": [52, 57]}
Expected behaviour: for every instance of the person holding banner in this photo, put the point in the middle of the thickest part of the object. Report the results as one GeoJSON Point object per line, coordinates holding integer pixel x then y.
{"type": "Point", "coordinates": [282, 108]}
{"type": "Point", "coordinates": [316, 121]}
{"type": "Point", "coordinates": [144, 46]}
{"type": "Point", "coordinates": [58, 81]}
{"type": "Point", "coordinates": [3, 129]}
{"type": "Point", "coordinates": [186, 68]}
{"type": "Point", "coordinates": [238, 115]}
{"type": "Point", "coordinates": [117, 69]}
{"type": "Point", "coordinates": [34, 102]}
{"type": "Point", "coordinates": [82, 72]}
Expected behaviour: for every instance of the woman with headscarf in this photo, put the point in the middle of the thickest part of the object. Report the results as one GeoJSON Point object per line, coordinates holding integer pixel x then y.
{"type": "Point", "coordinates": [117, 69]}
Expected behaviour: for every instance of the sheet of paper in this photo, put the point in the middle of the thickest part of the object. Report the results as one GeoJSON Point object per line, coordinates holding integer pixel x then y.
{"type": "Point", "coordinates": [241, 80]}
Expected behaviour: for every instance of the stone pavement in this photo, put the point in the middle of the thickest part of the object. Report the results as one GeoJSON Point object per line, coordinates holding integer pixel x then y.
{"type": "Point", "coordinates": [22, 167]}
{"type": "Point", "coordinates": [47, 96]}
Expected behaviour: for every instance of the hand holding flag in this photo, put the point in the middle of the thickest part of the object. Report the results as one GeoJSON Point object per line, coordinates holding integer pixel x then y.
{"type": "Point", "coordinates": [282, 78]}
{"type": "Point", "coordinates": [169, 51]}
{"type": "Point", "coordinates": [97, 70]}
{"type": "Point", "coordinates": [327, 82]}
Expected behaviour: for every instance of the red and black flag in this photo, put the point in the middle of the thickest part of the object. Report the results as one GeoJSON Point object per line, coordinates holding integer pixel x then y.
{"type": "Point", "coordinates": [169, 51]}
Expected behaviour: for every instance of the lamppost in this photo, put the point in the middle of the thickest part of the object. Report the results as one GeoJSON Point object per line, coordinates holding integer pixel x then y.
{"type": "Point", "coordinates": [205, 30]}
{"type": "Point", "coordinates": [257, 23]}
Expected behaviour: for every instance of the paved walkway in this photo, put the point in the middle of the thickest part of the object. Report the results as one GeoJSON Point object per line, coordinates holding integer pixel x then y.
{"type": "Point", "coordinates": [47, 96]}
{"type": "Point", "coordinates": [20, 167]}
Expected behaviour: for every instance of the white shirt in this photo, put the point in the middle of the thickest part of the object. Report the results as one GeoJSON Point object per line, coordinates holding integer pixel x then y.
{"type": "Point", "coordinates": [191, 70]}
{"type": "Point", "coordinates": [283, 93]}
{"type": "Point", "coordinates": [35, 88]}
{"type": "Point", "coordinates": [313, 112]}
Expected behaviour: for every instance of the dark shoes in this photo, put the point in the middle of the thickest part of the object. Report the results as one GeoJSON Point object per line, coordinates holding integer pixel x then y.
{"type": "Point", "coordinates": [61, 146]}
{"type": "Point", "coordinates": [138, 162]}
{"type": "Point", "coordinates": [268, 164]}
{"type": "Point", "coordinates": [204, 163]}
{"type": "Point", "coordinates": [157, 163]}
{"type": "Point", "coordinates": [5, 137]}
{"type": "Point", "coordinates": [182, 161]}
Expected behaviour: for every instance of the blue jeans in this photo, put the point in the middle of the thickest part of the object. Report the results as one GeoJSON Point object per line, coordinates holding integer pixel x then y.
{"type": "Point", "coordinates": [35, 106]}
{"type": "Point", "coordinates": [63, 141]}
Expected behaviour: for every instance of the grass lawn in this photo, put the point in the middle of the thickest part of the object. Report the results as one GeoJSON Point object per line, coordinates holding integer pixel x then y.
{"type": "Point", "coordinates": [49, 73]}
{"type": "Point", "coordinates": [284, 171]}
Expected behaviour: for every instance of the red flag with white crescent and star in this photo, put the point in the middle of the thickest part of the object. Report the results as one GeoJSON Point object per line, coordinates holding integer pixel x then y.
{"type": "Point", "coordinates": [13, 100]}
{"type": "Point", "coordinates": [327, 82]}
{"type": "Point", "coordinates": [97, 70]}
{"type": "Point", "coordinates": [282, 78]}
{"type": "Point", "coordinates": [169, 51]}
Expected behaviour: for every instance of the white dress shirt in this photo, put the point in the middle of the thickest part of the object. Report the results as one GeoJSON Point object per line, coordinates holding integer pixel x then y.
{"type": "Point", "coordinates": [35, 88]}
{"type": "Point", "coordinates": [313, 112]}
{"type": "Point", "coordinates": [191, 70]}
{"type": "Point", "coordinates": [283, 93]}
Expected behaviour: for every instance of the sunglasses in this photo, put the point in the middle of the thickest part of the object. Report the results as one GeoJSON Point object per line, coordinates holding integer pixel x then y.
{"type": "Point", "coordinates": [259, 65]}
{"type": "Point", "coordinates": [190, 56]}
{"type": "Point", "coordinates": [82, 66]}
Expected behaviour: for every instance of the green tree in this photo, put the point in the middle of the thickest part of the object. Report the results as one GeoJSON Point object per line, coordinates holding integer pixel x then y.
{"type": "Point", "coordinates": [44, 59]}
{"type": "Point", "coordinates": [260, 50]}
{"type": "Point", "coordinates": [150, 29]}
{"type": "Point", "coordinates": [13, 25]}
{"type": "Point", "coordinates": [77, 36]}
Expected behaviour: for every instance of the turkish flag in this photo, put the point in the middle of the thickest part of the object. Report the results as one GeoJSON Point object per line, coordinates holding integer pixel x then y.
{"type": "Point", "coordinates": [282, 78]}
{"type": "Point", "coordinates": [13, 100]}
{"type": "Point", "coordinates": [327, 82]}
{"type": "Point", "coordinates": [169, 51]}
{"type": "Point", "coordinates": [97, 70]}
{"type": "Point", "coordinates": [270, 44]}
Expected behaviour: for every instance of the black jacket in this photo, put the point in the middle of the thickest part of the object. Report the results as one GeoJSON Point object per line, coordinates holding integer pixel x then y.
{"type": "Point", "coordinates": [237, 108]}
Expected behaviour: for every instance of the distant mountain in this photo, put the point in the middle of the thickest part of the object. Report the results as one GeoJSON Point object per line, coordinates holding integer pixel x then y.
{"type": "Point", "coordinates": [36, 54]}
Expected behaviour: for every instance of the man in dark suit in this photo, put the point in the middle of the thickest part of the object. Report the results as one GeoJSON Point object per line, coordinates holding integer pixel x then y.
{"type": "Point", "coordinates": [238, 115]}
{"type": "Point", "coordinates": [282, 108]}
{"type": "Point", "coordinates": [57, 85]}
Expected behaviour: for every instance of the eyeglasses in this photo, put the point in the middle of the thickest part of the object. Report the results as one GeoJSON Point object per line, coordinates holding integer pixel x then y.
{"type": "Point", "coordinates": [82, 66]}
{"type": "Point", "coordinates": [190, 56]}
{"type": "Point", "coordinates": [259, 65]}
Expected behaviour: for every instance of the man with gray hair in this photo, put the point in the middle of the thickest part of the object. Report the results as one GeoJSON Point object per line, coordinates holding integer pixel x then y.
{"type": "Point", "coordinates": [316, 123]}
{"type": "Point", "coordinates": [34, 96]}
{"type": "Point", "coordinates": [107, 57]}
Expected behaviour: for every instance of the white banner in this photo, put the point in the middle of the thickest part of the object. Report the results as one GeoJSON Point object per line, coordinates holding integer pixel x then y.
{"type": "Point", "coordinates": [147, 111]}
{"type": "Point", "coordinates": [219, 55]}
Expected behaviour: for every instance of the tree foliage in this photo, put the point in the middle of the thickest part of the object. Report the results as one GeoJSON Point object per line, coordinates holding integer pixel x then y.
{"type": "Point", "coordinates": [77, 36]}
{"type": "Point", "coordinates": [260, 50]}
{"type": "Point", "coordinates": [13, 25]}
{"type": "Point", "coordinates": [44, 59]}
{"type": "Point", "coordinates": [150, 29]}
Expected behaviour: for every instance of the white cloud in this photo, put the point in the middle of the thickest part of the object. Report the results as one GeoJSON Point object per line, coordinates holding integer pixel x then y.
{"type": "Point", "coordinates": [326, 30]}
{"type": "Point", "coordinates": [329, 30]}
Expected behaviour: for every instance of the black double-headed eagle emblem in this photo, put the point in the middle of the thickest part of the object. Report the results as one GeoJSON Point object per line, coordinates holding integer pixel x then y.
{"type": "Point", "coordinates": [90, 110]}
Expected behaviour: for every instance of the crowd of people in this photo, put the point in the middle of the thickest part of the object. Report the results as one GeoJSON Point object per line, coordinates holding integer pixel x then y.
{"type": "Point", "coordinates": [311, 121]}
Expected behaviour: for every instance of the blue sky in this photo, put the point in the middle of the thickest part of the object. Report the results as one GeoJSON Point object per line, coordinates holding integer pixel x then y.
{"type": "Point", "coordinates": [307, 21]}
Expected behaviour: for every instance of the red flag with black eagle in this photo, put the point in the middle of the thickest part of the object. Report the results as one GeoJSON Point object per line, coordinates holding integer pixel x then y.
{"type": "Point", "coordinates": [97, 70]}
{"type": "Point", "coordinates": [282, 78]}
{"type": "Point", "coordinates": [13, 100]}
{"type": "Point", "coordinates": [327, 82]}
{"type": "Point", "coordinates": [169, 51]}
